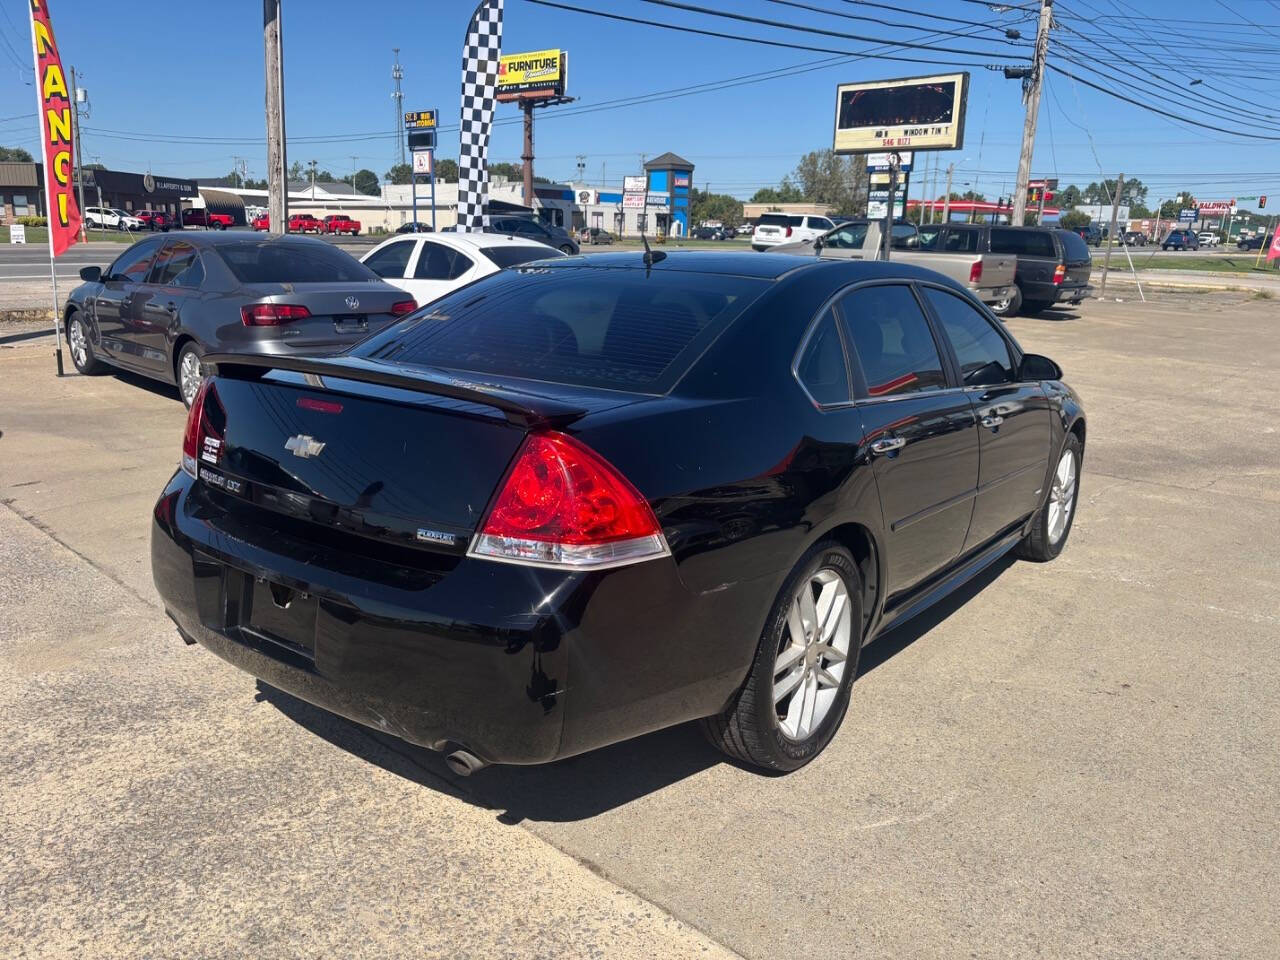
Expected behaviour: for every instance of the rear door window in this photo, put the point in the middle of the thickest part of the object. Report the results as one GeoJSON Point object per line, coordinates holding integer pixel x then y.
{"type": "Point", "coordinates": [292, 260]}
{"type": "Point", "coordinates": [931, 237]}
{"type": "Point", "coordinates": [982, 353]}
{"type": "Point", "coordinates": [618, 329]}
{"type": "Point", "coordinates": [960, 240]}
{"type": "Point", "coordinates": [895, 347]}
{"type": "Point", "coordinates": [1021, 241]}
{"type": "Point", "coordinates": [438, 262]}
{"type": "Point", "coordinates": [779, 220]}
{"type": "Point", "coordinates": [821, 368]}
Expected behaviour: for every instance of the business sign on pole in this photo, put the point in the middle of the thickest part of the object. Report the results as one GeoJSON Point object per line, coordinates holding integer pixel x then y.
{"type": "Point", "coordinates": [878, 203]}
{"type": "Point", "coordinates": [55, 133]}
{"type": "Point", "coordinates": [585, 198]}
{"type": "Point", "coordinates": [657, 200]}
{"type": "Point", "coordinates": [539, 75]}
{"type": "Point", "coordinates": [422, 162]}
{"type": "Point", "coordinates": [633, 184]}
{"type": "Point", "coordinates": [1215, 208]}
{"type": "Point", "coordinates": [1189, 216]}
{"type": "Point", "coordinates": [879, 162]}
{"type": "Point", "coordinates": [633, 201]}
{"type": "Point", "coordinates": [916, 113]}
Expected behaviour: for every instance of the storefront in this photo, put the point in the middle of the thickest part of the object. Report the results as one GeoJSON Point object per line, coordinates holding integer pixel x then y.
{"type": "Point", "coordinates": [136, 191]}
{"type": "Point", "coordinates": [21, 186]}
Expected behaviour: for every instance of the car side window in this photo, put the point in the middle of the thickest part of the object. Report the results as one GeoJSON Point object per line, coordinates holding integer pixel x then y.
{"type": "Point", "coordinates": [929, 237]}
{"type": "Point", "coordinates": [391, 260]}
{"type": "Point", "coordinates": [134, 264]}
{"type": "Point", "coordinates": [982, 352]}
{"type": "Point", "coordinates": [821, 367]}
{"type": "Point", "coordinates": [178, 265]}
{"type": "Point", "coordinates": [962, 241]}
{"type": "Point", "coordinates": [892, 339]}
{"type": "Point", "coordinates": [438, 262]}
{"type": "Point", "coordinates": [1021, 241]}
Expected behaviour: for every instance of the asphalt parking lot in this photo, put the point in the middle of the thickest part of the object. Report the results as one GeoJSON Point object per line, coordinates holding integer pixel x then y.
{"type": "Point", "coordinates": [1068, 760]}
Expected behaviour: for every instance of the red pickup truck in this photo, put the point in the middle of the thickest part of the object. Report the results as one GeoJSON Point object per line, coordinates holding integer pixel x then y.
{"type": "Point", "coordinates": [261, 222]}
{"type": "Point", "coordinates": [305, 223]}
{"type": "Point", "coordinates": [341, 223]}
{"type": "Point", "coordinates": [200, 217]}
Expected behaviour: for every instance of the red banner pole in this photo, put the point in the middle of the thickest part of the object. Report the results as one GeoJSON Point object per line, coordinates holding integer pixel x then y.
{"type": "Point", "coordinates": [48, 187]}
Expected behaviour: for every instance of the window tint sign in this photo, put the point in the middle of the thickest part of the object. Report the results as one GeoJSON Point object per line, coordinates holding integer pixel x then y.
{"type": "Point", "coordinates": [916, 113]}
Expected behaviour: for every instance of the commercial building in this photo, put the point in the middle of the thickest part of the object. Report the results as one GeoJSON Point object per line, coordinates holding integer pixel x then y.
{"type": "Point", "coordinates": [136, 191]}
{"type": "Point", "coordinates": [21, 190]}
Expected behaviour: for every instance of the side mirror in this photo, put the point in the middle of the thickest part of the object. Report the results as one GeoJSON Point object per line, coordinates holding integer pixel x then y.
{"type": "Point", "coordinates": [91, 274]}
{"type": "Point", "coordinates": [818, 244]}
{"type": "Point", "coordinates": [1036, 367]}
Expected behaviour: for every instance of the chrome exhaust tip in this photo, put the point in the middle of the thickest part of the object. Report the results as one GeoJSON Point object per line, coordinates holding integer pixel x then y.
{"type": "Point", "coordinates": [464, 763]}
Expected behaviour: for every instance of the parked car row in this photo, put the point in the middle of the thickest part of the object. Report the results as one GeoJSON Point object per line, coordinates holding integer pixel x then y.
{"type": "Point", "coordinates": [334, 223]}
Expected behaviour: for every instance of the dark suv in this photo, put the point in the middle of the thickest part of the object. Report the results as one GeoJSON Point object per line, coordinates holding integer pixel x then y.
{"type": "Point", "coordinates": [1053, 266]}
{"type": "Point", "coordinates": [1181, 240]}
{"type": "Point", "coordinates": [1090, 233]}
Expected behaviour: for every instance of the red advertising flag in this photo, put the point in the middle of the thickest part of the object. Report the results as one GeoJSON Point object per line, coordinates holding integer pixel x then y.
{"type": "Point", "coordinates": [1274, 250]}
{"type": "Point", "coordinates": [55, 132]}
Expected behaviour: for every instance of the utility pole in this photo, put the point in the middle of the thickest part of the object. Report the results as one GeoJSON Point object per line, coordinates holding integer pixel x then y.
{"type": "Point", "coordinates": [1115, 210]}
{"type": "Point", "coordinates": [397, 98]}
{"type": "Point", "coordinates": [1031, 95]}
{"type": "Point", "coordinates": [946, 200]}
{"type": "Point", "coordinates": [75, 125]}
{"type": "Point", "coordinates": [277, 184]}
{"type": "Point", "coordinates": [312, 165]}
{"type": "Point", "coordinates": [354, 160]}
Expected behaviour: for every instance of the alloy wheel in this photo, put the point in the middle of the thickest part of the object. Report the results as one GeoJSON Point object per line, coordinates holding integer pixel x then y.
{"type": "Point", "coordinates": [76, 340]}
{"type": "Point", "coordinates": [1062, 496]}
{"type": "Point", "coordinates": [189, 376]}
{"type": "Point", "coordinates": [812, 654]}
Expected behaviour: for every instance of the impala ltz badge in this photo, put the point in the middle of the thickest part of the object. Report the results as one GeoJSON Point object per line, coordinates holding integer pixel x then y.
{"type": "Point", "coordinates": [304, 446]}
{"type": "Point", "coordinates": [352, 303]}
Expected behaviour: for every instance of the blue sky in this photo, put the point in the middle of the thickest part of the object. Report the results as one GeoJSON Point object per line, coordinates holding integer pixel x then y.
{"type": "Point", "coordinates": [162, 74]}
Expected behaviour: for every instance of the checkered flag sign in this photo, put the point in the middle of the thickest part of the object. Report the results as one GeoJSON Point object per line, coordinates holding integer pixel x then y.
{"type": "Point", "coordinates": [479, 80]}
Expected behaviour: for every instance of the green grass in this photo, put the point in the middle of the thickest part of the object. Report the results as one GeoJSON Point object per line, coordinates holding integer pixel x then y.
{"type": "Point", "coordinates": [1221, 263]}
{"type": "Point", "coordinates": [39, 236]}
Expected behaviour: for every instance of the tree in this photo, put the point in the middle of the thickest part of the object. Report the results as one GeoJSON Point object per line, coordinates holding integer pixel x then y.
{"type": "Point", "coordinates": [447, 170]}
{"type": "Point", "coordinates": [400, 173]}
{"type": "Point", "coordinates": [1069, 196]}
{"type": "Point", "coordinates": [1073, 219]}
{"type": "Point", "coordinates": [256, 184]}
{"type": "Point", "coordinates": [785, 192]}
{"type": "Point", "coordinates": [512, 171]}
{"type": "Point", "coordinates": [295, 170]}
{"type": "Point", "coordinates": [1135, 191]}
{"type": "Point", "coordinates": [714, 206]}
{"type": "Point", "coordinates": [837, 181]}
{"type": "Point", "coordinates": [1169, 209]}
{"type": "Point", "coordinates": [365, 181]}
{"type": "Point", "coordinates": [15, 155]}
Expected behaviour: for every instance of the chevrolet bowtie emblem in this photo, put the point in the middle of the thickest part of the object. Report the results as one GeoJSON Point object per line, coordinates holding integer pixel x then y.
{"type": "Point", "coordinates": [303, 446]}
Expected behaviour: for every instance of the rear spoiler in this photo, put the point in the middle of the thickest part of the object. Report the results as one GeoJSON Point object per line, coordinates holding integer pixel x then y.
{"type": "Point", "coordinates": [520, 408]}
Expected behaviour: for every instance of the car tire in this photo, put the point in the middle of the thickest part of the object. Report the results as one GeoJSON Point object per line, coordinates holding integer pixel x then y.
{"type": "Point", "coordinates": [81, 346]}
{"type": "Point", "coordinates": [190, 353]}
{"type": "Point", "coordinates": [750, 729]}
{"type": "Point", "coordinates": [567, 250]}
{"type": "Point", "coordinates": [1050, 527]}
{"type": "Point", "coordinates": [1009, 307]}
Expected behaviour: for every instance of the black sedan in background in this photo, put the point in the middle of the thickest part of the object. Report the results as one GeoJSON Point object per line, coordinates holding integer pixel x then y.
{"type": "Point", "coordinates": [167, 301]}
{"type": "Point", "coordinates": [587, 498]}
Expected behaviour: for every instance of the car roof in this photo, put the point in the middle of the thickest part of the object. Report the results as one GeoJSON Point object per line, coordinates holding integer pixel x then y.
{"type": "Point", "coordinates": [765, 266]}
{"type": "Point", "coordinates": [467, 240]}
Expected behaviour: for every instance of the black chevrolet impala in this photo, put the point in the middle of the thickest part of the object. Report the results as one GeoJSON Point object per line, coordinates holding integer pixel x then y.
{"type": "Point", "coordinates": [586, 499]}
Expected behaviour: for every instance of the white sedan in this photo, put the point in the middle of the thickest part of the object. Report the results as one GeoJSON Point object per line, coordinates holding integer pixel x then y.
{"type": "Point", "coordinates": [429, 265]}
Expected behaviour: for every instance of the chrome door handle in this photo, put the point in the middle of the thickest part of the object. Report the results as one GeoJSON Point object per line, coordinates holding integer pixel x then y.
{"type": "Point", "coordinates": [888, 444]}
{"type": "Point", "coordinates": [992, 422]}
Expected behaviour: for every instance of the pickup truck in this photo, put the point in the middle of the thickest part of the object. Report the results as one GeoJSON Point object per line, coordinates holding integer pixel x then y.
{"type": "Point", "coordinates": [988, 276]}
{"type": "Point", "coordinates": [305, 223]}
{"type": "Point", "coordinates": [341, 223]}
{"type": "Point", "coordinates": [261, 222]}
{"type": "Point", "coordinates": [201, 217]}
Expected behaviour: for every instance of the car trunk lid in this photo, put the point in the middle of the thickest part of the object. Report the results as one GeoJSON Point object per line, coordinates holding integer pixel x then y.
{"type": "Point", "coordinates": [340, 313]}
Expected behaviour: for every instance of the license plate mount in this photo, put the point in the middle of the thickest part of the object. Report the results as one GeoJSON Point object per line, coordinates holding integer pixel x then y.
{"type": "Point", "coordinates": [282, 615]}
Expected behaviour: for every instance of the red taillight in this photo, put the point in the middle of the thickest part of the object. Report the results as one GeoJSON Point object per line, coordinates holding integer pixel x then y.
{"type": "Point", "coordinates": [191, 436]}
{"type": "Point", "coordinates": [975, 272]}
{"type": "Point", "coordinates": [272, 314]}
{"type": "Point", "coordinates": [1059, 272]}
{"type": "Point", "coordinates": [563, 505]}
{"type": "Point", "coordinates": [403, 307]}
{"type": "Point", "coordinates": [788, 231]}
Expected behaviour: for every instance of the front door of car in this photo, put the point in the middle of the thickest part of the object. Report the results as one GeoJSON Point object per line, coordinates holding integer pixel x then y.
{"type": "Point", "coordinates": [392, 262]}
{"type": "Point", "coordinates": [157, 308]}
{"type": "Point", "coordinates": [1014, 417]}
{"type": "Point", "coordinates": [919, 429]}
{"type": "Point", "coordinates": [113, 302]}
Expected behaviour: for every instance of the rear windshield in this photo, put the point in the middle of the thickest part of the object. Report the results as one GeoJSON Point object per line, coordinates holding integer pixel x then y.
{"type": "Point", "coordinates": [618, 329]}
{"type": "Point", "coordinates": [779, 220]}
{"type": "Point", "coordinates": [1076, 249]}
{"type": "Point", "coordinates": [286, 260]}
{"type": "Point", "coordinates": [513, 256]}
{"type": "Point", "coordinates": [1023, 241]}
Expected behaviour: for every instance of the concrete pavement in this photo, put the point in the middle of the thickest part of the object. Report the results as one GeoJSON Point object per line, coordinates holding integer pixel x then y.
{"type": "Point", "coordinates": [1066, 760]}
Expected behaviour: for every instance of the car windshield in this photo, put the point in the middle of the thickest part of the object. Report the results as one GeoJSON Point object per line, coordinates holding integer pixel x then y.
{"type": "Point", "coordinates": [286, 260]}
{"type": "Point", "coordinates": [620, 329]}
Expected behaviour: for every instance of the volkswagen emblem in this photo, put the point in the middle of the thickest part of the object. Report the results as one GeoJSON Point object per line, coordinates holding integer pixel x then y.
{"type": "Point", "coordinates": [352, 303]}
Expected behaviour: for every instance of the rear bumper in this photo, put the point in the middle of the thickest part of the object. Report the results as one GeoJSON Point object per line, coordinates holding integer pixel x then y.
{"type": "Point", "coordinates": [1074, 294]}
{"type": "Point", "coordinates": [516, 664]}
{"type": "Point", "coordinates": [994, 294]}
